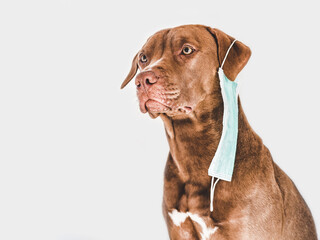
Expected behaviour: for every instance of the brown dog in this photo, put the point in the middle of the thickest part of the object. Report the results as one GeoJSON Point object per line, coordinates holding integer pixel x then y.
{"type": "Point", "coordinates": [179, 82]}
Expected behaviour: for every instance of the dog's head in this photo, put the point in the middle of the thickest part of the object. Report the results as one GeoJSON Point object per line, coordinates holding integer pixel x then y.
{"type": "Point", "coordinates": [178, 68]}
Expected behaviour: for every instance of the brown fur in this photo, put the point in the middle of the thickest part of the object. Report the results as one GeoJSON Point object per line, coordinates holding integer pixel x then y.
{"type": "Point", "coordinates": [260, 202]}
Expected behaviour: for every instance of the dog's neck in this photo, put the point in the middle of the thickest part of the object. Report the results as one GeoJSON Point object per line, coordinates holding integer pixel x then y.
{"type": "Point", "coordinates": [193, 141]}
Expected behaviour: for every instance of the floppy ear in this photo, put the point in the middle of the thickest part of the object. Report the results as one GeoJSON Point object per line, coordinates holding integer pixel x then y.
{"type": "Point", "coordinates": [133, 71]}
{"type": "Point", "coordinates": [238, 55]}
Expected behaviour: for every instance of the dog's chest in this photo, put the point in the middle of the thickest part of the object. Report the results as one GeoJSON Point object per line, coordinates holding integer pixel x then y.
{"type": "Point", "coordinates": [187, 223]}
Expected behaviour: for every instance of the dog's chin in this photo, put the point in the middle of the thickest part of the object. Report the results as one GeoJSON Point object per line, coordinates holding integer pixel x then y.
{"type": "Point", "coordinates": [154, 115]}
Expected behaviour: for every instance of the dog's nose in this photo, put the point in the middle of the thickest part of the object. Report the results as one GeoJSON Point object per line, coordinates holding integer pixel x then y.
{"type": "Point", "coordinates": [146, 79]}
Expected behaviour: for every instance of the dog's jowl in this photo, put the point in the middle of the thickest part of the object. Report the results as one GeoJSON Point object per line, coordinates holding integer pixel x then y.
{"type": "Point", "coordinates": [179, 81]}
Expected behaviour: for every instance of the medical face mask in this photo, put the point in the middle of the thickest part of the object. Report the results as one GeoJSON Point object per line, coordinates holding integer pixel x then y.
{"type": "Point", "coordinates": [222, 163]}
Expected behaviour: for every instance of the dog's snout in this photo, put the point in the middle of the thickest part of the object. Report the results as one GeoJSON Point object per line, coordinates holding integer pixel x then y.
{"type": "Point", "coordinates": [146, 79]}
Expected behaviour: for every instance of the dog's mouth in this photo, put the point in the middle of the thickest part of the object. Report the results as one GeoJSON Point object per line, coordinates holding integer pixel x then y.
{"type": "Point", "coordinates": [155, 108]}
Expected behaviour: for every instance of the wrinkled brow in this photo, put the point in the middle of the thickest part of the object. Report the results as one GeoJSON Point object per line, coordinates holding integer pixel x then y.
{"type": "Point", "coordinates": [179, 41]}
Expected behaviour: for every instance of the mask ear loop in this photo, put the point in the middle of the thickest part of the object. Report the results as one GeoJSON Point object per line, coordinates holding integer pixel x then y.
{"type": "Point", "coordinates": [214, 184]}
{"type": "Point", "coordinates": [225, 57]}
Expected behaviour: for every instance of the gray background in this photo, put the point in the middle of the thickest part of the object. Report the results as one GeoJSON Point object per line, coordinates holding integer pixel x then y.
{"type": "Point", "coordinates": [77, 158]}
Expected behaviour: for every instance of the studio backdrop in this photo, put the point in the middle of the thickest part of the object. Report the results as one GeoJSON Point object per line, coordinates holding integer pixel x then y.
{"type": "Point", "coordinates": [79, 161]}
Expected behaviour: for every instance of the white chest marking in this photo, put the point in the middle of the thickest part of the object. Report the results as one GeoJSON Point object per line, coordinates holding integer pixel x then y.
{"type": "Point", "coordinates": [179, 217]}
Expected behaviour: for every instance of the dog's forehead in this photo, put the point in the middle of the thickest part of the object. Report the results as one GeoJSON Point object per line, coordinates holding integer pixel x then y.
{"type": "Point", "coordinates": [188, 32]}
{"type": "Point", "coordinates": [155, 41]}
{"type": "Point", "coordinates": [192, 34]}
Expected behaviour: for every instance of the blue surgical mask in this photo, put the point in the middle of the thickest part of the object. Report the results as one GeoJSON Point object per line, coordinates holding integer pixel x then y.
{"type": "Point", "coordinates": [222, 163]}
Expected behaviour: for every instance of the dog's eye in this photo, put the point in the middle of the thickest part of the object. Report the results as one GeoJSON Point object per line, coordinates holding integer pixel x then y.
{"type": "Point", "coordinates": [143, 58]}
{"type": "Point", "coordinates": [187, 50]}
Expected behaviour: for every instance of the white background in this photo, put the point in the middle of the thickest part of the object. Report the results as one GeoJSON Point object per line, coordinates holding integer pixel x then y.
{"type": "Point", "coordinates": [78, 161]}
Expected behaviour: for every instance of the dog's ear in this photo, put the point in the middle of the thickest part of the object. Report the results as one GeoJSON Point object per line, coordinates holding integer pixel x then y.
{"type": "Point", "coordinates": [238, 55]}
{"type": "Point", "coordinates": [133, 71]}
